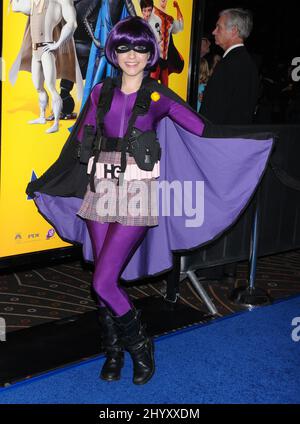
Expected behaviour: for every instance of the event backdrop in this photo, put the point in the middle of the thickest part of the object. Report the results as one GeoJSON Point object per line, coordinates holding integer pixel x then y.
{"type": "Point", "coordinates": [27, 151]}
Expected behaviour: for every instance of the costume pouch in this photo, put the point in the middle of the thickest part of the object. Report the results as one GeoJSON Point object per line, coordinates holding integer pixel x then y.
{"type": "Point", "coordinates": [145, 148]}
{"type": "Point", "coordinates": [85, 147]}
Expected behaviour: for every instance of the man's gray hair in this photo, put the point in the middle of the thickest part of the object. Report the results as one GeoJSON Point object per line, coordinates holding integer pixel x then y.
{"type": "Point", "coordinates": [241, 18]}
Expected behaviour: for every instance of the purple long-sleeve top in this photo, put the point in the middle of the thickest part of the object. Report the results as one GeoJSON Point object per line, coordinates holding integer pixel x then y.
{"type": "Point", "coordinates": [116, 120]}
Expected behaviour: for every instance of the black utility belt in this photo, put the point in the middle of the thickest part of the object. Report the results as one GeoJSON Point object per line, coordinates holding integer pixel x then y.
{"type": "Point", "coordinates": [142, 145]}
{"type": "Point", "coordinates": [110, 144]}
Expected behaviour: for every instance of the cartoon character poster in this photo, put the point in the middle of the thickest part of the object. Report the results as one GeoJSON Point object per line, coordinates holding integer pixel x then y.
{"type": "Point", "coordinates": [49, 63]}
{"type": "Point", "coordinates": [171, 22]}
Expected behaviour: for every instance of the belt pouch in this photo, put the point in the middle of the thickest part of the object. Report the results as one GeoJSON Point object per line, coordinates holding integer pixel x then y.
{"type": "Point", "coordinates": [86, 146]}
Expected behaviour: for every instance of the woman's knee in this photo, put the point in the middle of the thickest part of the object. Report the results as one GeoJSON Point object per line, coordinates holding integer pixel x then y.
{"type": "Point", "coordinates": [103, 285]}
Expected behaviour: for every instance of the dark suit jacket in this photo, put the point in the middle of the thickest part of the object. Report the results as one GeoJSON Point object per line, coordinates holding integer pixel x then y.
{"type": "Point", "coordinates": [232, 91]}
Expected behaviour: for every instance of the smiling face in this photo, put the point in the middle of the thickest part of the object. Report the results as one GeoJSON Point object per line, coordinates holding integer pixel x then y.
{"type": "Point", "coordinates": [132, 63]}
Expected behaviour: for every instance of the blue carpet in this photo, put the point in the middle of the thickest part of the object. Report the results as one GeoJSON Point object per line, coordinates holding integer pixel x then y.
{"type": "Point", "coordinates": [246, 358]}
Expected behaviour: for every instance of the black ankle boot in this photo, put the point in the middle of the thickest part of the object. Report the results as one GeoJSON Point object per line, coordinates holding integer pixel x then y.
{"type": "Point", "coordinates": [139, 346]}
{"type": "Point", "coordinates": [112, 346]}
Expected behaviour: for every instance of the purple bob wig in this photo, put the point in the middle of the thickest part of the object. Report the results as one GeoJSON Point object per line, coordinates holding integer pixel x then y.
{"type": "Point", "coordinates": [132, 30]}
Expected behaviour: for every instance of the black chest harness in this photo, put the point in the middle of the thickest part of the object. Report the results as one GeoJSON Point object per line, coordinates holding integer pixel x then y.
{"type": "Point", "coordinates": [143, 146]}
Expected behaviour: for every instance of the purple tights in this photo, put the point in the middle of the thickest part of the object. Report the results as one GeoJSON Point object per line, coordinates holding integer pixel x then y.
{"type": "Point", "coordinates": [113, 245]}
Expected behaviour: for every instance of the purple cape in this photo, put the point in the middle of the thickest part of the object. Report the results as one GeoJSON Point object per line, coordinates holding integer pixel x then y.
{"type": "Point", "coordinates": [231, 170]}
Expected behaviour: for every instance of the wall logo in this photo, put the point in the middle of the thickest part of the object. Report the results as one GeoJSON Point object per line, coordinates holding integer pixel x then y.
{"type": "Point", "coordinates": [25, 238]}
{"type": "Point", "coordinates": [296, 332]}
{"type": "Point", "coordinates": [33, 236]}
{"type": "Point", "coordinates": [2, 330]}
{"type": "Point", "coordinates": [296, 71]}
{"type": "Point", "coordinates": [50, 233]}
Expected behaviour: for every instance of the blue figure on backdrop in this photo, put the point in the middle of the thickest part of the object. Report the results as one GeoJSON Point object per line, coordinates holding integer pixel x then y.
{"type": "Point", "coordinates": [111, 11]}
{"type": "Point", "coordinates": [95, 18]}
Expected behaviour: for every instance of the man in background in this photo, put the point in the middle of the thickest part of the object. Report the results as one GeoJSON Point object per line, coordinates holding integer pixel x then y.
{"type": "Point", "coordinates": [232, 91]}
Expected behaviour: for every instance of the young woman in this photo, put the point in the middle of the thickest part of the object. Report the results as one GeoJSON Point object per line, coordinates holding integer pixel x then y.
{"type": "Point", "coordinates": [114, 140]}
{"type": "Point", "coordinates": [131, 47]}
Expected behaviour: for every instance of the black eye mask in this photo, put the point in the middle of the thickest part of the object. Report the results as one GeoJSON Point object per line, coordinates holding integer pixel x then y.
{"type": "Point", "coordinates": [139, 48]}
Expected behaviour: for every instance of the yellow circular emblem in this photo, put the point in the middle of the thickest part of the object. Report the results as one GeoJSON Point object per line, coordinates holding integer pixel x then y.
{"type": "Point", "coordinates": [155, 96]}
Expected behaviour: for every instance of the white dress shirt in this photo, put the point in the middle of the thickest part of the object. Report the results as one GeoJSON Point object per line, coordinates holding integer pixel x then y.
{"type": "Point", "coordinates": [231, 48]}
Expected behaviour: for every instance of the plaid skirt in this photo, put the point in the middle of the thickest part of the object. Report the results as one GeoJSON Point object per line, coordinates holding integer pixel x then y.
{"type": "Point", "coordinates": [132, 203]}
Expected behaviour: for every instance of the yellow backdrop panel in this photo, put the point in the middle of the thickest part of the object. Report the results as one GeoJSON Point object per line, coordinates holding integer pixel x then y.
{"type": "Point", "coordinates": [26, 148]}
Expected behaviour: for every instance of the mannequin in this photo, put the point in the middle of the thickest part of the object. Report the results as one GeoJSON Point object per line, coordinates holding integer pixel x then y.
{"type": "Point", "coordinates": [49, 32]}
